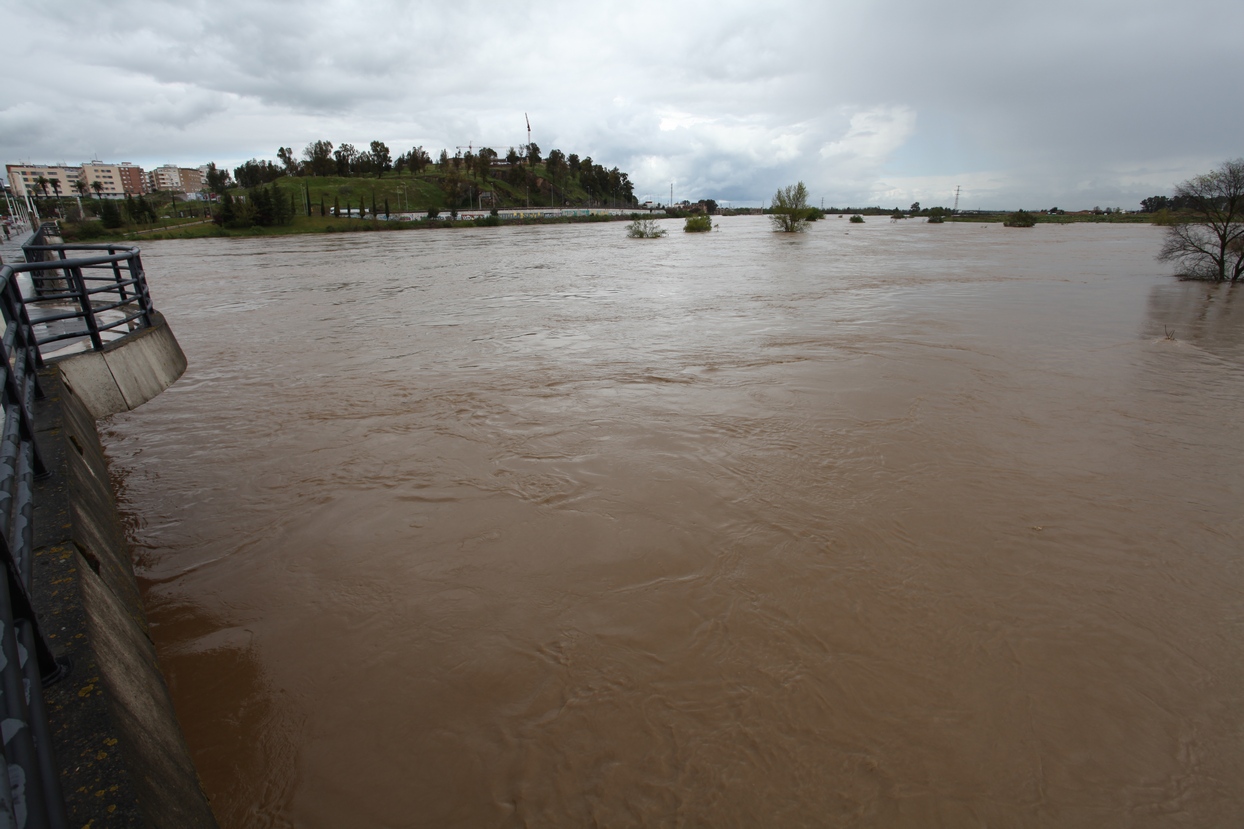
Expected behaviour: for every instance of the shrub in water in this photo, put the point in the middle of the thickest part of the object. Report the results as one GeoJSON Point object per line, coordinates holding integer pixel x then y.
{"type": "Point", "coordinates": [645, 229]}
{"type": "Point", "coordinates": [700, 223]}
{"type": "Point", "coordinates": [857, 219]}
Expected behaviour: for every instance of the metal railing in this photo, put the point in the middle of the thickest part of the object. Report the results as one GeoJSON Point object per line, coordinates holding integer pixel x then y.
{"type": "Point", "coordinates": [50, 304]}
{"type": "Point", "coordinates": [33, 797]}
{"type": "Point", "coordinates": [91, 300]}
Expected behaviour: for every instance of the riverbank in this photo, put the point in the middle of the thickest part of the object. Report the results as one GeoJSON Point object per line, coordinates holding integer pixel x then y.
{"type": "Point", "coordinates": [93, 232]}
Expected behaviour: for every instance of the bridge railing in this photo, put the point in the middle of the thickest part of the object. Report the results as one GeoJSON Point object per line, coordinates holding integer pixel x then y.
{"type": "Point", "coordinates": [97, 296]}
{"type": "Point", "coordinates": [65, 298]}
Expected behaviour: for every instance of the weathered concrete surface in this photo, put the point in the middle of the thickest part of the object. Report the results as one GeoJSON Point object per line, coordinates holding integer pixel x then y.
{"type": "Point", "coordinates": [120, 749]}
{"type": "Point", "coordinates": [126, 373]}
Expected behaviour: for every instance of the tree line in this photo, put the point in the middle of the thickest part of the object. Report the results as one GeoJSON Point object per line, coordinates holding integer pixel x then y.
{"type": "Point", "coordinates": [461, 174]}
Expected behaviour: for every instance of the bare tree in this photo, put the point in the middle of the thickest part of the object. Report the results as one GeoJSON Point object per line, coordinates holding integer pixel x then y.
{"type": "Point", "coordinates": [1207, 241]}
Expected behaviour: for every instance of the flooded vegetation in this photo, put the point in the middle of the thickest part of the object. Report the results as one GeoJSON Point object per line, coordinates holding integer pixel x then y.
{"type": "Point", "coordinates": [878, 524]}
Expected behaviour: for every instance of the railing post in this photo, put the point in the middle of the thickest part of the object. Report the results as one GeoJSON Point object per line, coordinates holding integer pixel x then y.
{"type": "Point", "coordinates": [116, 274]}
{"type": "Point", "coordinates": [140, 287]}
{"type": "Point", "coordinates": [88, 313]}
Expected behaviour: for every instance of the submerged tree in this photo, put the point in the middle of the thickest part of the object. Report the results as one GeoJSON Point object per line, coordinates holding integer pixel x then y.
{"type": "Point", "coordinates": [699, 223]}
{"type": "Point", "coordinates": [789, 211]}
{"type": "Point", "coordinates": [645, 229]}
{"type": "Point", "coordinates": [1207, 241]}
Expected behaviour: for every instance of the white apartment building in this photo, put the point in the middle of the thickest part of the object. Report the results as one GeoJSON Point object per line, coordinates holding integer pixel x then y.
{"type": "Point", "coordinates": [177, 179]}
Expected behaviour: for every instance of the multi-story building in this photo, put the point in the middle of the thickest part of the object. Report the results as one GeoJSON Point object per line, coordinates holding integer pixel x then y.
{"type": "Point", "coordinates": [177, 179]}
{"type": "Point", "coordinates": [192, 180]}
{"type": "Point", "coordinates": [164, 178]}
{"type": "Point", "coordinates": [107, 175]}
{"type": "Point", "coordinates": [24, 178]}
{"type": "Point", "coordinates": [133, 181]}
{"type": "Point", "coordinates": [115, 180]}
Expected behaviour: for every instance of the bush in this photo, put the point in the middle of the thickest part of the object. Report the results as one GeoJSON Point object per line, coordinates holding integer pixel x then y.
{"type": "Point", "coordinates": [487, 221]}
{"type": "Point", "coordinates": [1020, 218]}
{"type": "Point", "coordinates": [700, 223]}
{"type": "Point", "coordinates": [645, 229]}
{"type": "Point", "coordinates": [789, 210]}
{"type": "Point", "coordinates": [857, 219]}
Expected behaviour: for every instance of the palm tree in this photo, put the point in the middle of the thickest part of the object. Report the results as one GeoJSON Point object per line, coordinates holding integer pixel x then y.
{"type": "Point", "coordinates": [98, 187]}
{"type": "Point", "coordinates": [56, 189]}
{"type": "Point", "coordinates": [79, 184]}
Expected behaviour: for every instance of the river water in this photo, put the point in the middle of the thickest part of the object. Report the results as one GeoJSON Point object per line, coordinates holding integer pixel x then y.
{"type": "Point", "coordinates": [882, 525]}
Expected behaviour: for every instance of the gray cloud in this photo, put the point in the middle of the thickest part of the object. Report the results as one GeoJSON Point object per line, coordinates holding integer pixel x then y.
{"type": "Point", "coordinates": [1056, 103]}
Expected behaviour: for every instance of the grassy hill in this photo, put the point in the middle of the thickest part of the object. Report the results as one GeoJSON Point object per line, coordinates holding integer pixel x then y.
{"type": "Point", "coordinates": [430, 190]}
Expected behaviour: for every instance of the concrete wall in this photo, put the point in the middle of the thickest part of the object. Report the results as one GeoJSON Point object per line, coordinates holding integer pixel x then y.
{"type": "Point", "coordinates": [127, 373]}
{"type": "Point", "coordinates": [122, 756]}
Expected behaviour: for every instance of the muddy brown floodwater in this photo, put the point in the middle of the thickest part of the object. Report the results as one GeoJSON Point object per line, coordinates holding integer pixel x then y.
{"type": "Point", "coordinates": [884, 525]}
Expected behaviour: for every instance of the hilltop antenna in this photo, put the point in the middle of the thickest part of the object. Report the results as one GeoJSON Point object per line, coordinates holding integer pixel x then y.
{"type": "Point", "coordinates": [955, 209]}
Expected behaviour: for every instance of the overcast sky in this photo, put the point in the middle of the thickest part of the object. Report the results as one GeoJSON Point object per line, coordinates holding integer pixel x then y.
{"type": "Point", "coordinates": [1037, 104]}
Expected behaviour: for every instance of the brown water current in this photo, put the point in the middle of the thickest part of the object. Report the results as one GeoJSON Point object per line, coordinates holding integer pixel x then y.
{"type": "Point", "coordinates": [884, 525]}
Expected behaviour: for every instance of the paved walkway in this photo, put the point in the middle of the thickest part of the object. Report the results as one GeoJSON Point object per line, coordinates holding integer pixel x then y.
{"type": "Point", "coordinates": [11, 251]}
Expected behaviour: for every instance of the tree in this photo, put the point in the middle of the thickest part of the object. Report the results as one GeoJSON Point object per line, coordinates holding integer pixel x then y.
{"type": "Point", "coordinates": [319, 157]}
{"type": "Point", "coordinates": [286, 156]}
{"type": "Point", "coordinates": [483, 161]}
{"type": "Point", "coordinates": [533, 154]}
{"type": "Point", "coordinates": [380, 157]}
{"type": "Point", "coordinates": [1153, 204]}
{"type": "Point", "coordinates": [98, 187]}
{"type": "Point", "coordinates": [789, 211]}
{"type": "Point", "coordinates": [1208, 241]}
{"type": "Point", "coordinates": [1020, 218]}
{"type": "Point", "coordinates": [640, 228]}
{"type": "Point", "coordinates": [345, 156]}
{"type": "Point", "coordinates": [915, 207]}
{"type": "Point", "coordinates": [110, 215]}
{"type": "Point", "coordinates": [699, 223]}
{"type": "Point", "coordinates": [217, 180]}
{"type": "Point", "coordinates": [254, 173]}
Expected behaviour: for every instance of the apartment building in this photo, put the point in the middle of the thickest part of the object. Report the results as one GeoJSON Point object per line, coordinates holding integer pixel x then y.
{"type": "Point", "coordinates": [174, 178]}
{"type": "Point", "coordinates": [24, 178]}
{"type": "Point", "coordinates": [107, 175]}
{"type": "Point", "coordinates": [115, 180]}
{"type": "Point", "coordinates": [133, 180]}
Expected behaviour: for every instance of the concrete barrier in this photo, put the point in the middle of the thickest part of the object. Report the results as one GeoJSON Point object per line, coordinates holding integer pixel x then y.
{"type": "Point", "coordinates": [127, 373]}
{"type": "Point", "coordinates": [123, 759]}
